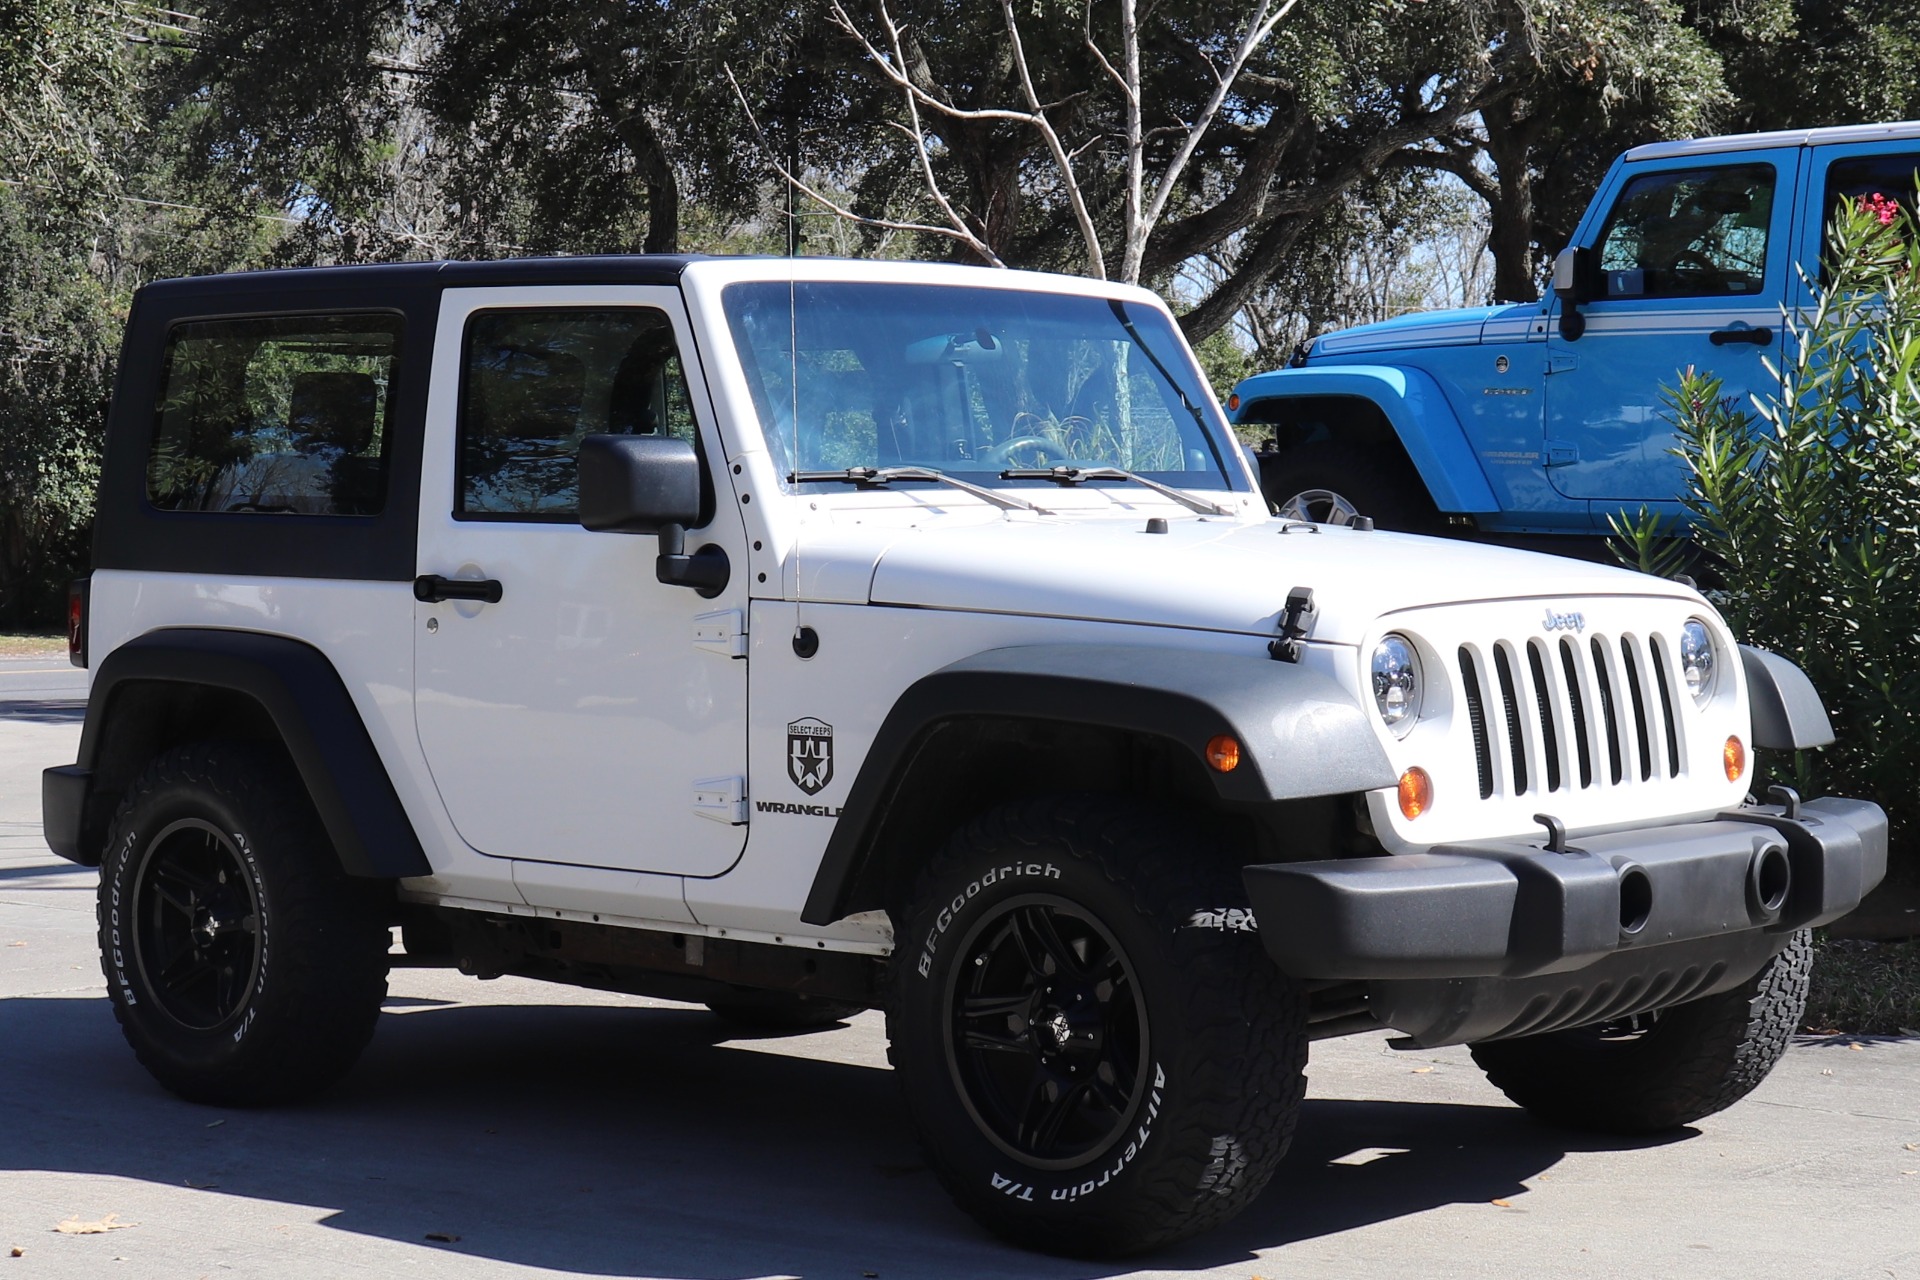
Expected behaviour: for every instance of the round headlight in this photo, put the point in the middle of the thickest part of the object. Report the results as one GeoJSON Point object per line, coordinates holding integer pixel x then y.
{"type": "Point", "coordinates": [1696, 659]}
{"type": "Point", "coordinates": [1396, 682]}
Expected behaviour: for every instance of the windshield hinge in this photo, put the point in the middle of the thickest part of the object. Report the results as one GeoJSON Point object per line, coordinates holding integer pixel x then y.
{"type": "Point", "coordinates": [1296, 624]}
{"type": "Point", "coordinates": [723, 633]}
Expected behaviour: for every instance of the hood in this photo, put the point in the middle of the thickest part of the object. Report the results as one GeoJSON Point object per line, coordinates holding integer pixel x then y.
{"type": "Point", "coordinates": [1420, 329]}
{"type": "Point", "coordinates": [1210, 575]}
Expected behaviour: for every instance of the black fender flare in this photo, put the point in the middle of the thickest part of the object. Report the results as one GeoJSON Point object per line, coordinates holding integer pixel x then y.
{"type": "Point", "coordinates": [1301, 735]}
{"type": "Point", "coordinates": [309, 706]}
{"type": "Point", "coordinates": [1787, 712]}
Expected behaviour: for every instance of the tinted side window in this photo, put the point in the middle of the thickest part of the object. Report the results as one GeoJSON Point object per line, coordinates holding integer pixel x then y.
{"type": "Point", "coordinates": [1872, 179]}
{"type": "Point", "coordinates": [281, 414]}
{"type": "Point", "coordinates": [535, 382]}
{"type": "Point", "coordinates": [1689, 233]}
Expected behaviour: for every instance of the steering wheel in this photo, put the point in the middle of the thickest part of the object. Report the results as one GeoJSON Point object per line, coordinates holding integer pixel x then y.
{"type": "Point", "coordinates": [1696, 268]}
{"type": "Point", "coordinates": [1001, 455]}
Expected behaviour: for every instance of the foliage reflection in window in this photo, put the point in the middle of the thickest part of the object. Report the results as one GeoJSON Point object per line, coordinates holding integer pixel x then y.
{"type": "Point", "coordinates": [275, 415]}
{"type": "Point", "coordinates": [536, 382]}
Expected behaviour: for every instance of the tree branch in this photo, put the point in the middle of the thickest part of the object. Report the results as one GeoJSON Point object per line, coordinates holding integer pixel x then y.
{"type": "Point", "coordinates": [959, 231]}
{"type": "Point", "coordinates": [1096, 260]}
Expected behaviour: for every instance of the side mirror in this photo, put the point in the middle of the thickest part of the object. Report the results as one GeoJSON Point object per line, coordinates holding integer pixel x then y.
{"type": "Point", "coordinates": [1573, 284]}
{"type": "Point", "coordinates": [1574, 275]}
{"type": "Point", "coordinates": [651, 484]}
{"type": "Point", "coordinates": [636, 484]}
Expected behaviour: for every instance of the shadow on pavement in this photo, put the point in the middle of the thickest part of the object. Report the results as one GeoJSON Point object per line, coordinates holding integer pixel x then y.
{"type": "Point", "coordinates": [44, 710]}
{"type": "Point", "coordinates": [61, 868]}
{"type": "Point", "coordinates": [607, 1140]}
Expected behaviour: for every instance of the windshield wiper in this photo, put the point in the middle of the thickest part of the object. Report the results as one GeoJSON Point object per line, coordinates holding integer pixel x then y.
{"type": "Point", "coordinates": [1077, 475]}
{"type": "Point", "coordinates": [876, 477]}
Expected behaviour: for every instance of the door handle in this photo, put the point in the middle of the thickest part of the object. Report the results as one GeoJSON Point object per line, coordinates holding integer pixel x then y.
{"type": "Point", "coordinates": [431, 588]}
{"type": "Point", "coordinates": [1759, 337]}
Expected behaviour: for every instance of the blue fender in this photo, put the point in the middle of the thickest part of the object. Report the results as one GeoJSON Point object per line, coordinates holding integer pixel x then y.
{"type": "Point", "coordinates": [1413, 404]}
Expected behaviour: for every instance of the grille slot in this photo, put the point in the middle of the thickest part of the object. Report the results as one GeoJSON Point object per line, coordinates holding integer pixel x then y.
{"type": "Point", "coordinates": [1629, 661]}
{"type": "Point", "coordinates": [1666, 707]}
{"type": "Point", "coordinates": [1606, 707]}
{"type": "Point", "coordinates": [1503, 669]}
{"type": "Point", "coordinates": [1477, 716]}
{"type": "Point", "coordinates": [1577, 704]}
{"type": "Point", "coordinates": [1549, 737]}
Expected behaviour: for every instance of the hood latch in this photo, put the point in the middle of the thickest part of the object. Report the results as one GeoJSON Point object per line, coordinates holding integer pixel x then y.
{"type": "Point", "coordinates": [1296, 625]}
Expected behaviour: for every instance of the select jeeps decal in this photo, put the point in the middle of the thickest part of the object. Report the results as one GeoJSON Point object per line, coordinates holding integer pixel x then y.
{"type": "Point", "coordinates": [810, 754]}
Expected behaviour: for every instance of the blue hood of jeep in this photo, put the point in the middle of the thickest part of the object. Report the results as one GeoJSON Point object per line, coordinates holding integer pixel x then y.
{"type": "Point", "coordinates": [1420, 329]}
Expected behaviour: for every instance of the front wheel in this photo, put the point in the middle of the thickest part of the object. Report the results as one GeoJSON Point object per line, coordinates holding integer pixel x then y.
{"type": "Point", "coordinates": [243, 965]}
{"type": "Point", "coordinates": [1098, 1055]}
{"type": "Point", "coordinates": [1332, 481]}
{"type": "Point", "coordinates": [1658, 1070]}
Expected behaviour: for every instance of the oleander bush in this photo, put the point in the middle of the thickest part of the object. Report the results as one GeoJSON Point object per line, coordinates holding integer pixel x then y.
{"type": "Point", "coordinates": [1808, 511]}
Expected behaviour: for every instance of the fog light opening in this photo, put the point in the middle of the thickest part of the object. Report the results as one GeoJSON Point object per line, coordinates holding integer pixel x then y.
{"type": "Point", "coordinates": [1769, 878]}
{"type": "Point", "coordinates": [1734, 756]}
{"type": "Point", "coordinates": [1416, 792]}
{"type": "Point", "coordinates": [1223, 753]}
{"type": "Point", "coordinates": [1636, 899]}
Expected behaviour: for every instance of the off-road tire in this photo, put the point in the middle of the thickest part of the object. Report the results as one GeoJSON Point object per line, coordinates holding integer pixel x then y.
{"type": "Point", "coordinates": [1213, 1104]}
{"type": "Point", "coordinates": [1376, 481]}
{"type": "Point", "coordinates": [782, 1010]}
{"type": "Point", "coordinates": [235, 820]}
{"type": "Point", "coordinates": [1693, 1060]}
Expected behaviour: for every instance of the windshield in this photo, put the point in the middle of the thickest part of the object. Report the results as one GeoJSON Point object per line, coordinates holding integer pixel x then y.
{"type": "Point", "coordinates": [971, 382]}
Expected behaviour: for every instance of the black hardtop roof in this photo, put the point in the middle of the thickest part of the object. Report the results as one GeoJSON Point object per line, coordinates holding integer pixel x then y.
{"type": "Point", "coordinates": [631, 268]}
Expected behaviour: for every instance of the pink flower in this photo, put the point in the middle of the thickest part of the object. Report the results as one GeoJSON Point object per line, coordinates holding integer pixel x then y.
{"type": "Point", "coordinates": [1882, 207]}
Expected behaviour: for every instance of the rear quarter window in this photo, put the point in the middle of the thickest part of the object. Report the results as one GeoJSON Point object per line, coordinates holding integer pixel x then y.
{"type": "Point", "coordinates": [276, 415]}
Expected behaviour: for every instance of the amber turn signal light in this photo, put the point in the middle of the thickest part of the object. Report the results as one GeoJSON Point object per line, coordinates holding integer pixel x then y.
{"type": "Point", "coordinates": [1734, 756]}
{"type": "Point", "coordinates": [1223, 753]}
{"type": "Point", "coordinates": [1233, 401]}
{"type": "Point", "coordinates": [1416, 792]}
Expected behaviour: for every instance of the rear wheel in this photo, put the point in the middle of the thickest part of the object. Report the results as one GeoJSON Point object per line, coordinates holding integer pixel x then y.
{"type": "Point", "coordinates": [243, 965]}
{"type": "Point", "coordinates": [1098, 1055]}
{"type": "Point", "coordinates": [1659, 1070]}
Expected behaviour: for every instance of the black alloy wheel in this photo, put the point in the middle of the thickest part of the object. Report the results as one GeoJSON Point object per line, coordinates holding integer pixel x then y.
{"type": "Point", "coordinates": [244, 965]}
{"type": "Point", "coordinates": [196, 925]}
{"type": "Point", "coordinates": [1049, 1036]}
{"type": "Point", "coordinates": [1094, 1048]}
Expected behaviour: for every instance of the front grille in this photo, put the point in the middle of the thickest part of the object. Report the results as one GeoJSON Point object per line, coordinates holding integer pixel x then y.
{"type": "Point", "coordinates": [1576, 716]}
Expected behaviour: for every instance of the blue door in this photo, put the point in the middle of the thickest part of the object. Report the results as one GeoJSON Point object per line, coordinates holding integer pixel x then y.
{"type": "Point", "coordinates": [1695, 255]}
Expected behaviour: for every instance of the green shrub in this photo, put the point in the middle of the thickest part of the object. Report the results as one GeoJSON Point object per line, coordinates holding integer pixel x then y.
{"type": "Point", "coordinates": [1811, 509]}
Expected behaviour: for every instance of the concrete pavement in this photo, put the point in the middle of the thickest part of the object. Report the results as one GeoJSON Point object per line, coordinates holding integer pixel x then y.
{"type": "Point", "coordinates": [515, 1129]}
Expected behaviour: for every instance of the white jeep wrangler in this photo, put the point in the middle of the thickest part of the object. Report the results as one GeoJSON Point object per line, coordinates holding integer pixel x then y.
{"type": "Point", "coordinates": [804, 636]}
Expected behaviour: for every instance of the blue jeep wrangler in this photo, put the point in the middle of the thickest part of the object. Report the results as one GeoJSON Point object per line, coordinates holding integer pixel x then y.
{"type": "Point", "coordinates": [1546, 417]}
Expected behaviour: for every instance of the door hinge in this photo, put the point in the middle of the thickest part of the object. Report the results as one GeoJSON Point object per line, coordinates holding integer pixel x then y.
{"type": "Point", "coordinates": [1562, 364]}
{"type": "Point", "coordinates": [1559, 453]}
{"type": "Point", "coordinates": [721, 800]}
{"type": "Point", "coordinates": [724, 633]}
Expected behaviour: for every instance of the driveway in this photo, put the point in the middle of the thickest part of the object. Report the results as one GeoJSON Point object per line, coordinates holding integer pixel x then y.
{"type": "Point", "coordinates": [511, 1128]}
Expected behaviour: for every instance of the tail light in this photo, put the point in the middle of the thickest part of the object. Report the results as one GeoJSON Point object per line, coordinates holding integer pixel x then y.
{"type": "Point", "coordinates": [77, 622]}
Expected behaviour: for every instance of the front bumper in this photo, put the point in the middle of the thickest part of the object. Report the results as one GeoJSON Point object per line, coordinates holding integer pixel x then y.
{"type": "Point", "coordinates": [1477, 941]}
